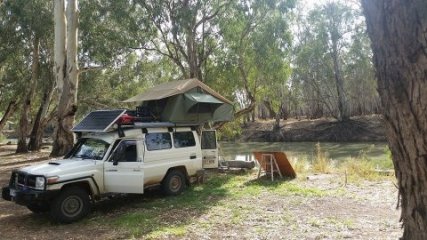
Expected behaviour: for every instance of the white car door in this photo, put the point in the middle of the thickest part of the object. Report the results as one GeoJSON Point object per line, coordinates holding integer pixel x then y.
{"type": "Point", "coordinates": [209, 149]}
{"type": "Point", "coordinates": [123, 172]}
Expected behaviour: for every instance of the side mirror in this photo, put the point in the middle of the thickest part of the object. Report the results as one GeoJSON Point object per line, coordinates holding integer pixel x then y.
{"type": "Point", "coordinates": [115, 161]}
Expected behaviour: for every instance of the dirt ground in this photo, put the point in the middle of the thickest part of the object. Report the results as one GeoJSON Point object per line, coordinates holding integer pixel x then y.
{"type": "Point", "coordinates": [365, 210]}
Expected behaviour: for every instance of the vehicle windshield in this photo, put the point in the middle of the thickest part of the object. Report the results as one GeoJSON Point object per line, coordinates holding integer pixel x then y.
{"type": "Point", "coordinates": [89, 148]}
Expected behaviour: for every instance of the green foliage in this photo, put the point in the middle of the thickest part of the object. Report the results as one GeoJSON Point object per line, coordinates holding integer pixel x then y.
{"type": "Point", "coordinates": [230, 131]}
{"type": "Point", "coordinates": [108, 32]}
{"type": "Point", "coordinates": [342, 24]}
{"type": "Point", "coordinates": [20, 23]}
{"type": "Point", "coordinates": [242, 49]}
{"type": "Point", "coordinates": [256, 62]}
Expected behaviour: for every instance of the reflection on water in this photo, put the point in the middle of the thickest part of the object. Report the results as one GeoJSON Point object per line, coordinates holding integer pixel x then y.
{"type": "Point", "coordinates": [335, 151]}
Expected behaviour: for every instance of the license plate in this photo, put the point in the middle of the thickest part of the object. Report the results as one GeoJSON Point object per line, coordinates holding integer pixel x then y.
{"type": "Point", "coordinates": [12, 192]}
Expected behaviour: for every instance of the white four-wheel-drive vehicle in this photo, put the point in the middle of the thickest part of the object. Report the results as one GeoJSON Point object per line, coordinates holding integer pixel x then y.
{"type": "Point", "coordinates": [117, 160]}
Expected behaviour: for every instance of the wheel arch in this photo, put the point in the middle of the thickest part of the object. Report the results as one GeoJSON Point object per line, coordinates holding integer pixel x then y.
{"type": "Point", "coordinates": [87, 184]}
{"type": "Point", "coordinates": [182, 169]}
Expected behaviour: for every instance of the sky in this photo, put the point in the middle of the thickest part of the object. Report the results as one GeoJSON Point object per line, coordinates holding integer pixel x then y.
{"type": "Point", "coordinates": [310, 4]}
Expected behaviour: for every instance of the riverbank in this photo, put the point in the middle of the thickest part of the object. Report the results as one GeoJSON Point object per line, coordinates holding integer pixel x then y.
{"type": "Point", "coordinates": [357, 129]}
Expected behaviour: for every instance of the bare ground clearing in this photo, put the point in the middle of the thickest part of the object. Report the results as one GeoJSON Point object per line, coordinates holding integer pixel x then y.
{"type": "Point", "coordinates": [366, 210]}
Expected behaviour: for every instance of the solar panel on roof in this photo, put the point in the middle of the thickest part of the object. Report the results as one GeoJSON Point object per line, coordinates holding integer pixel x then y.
{"type": "Point", "coordinates": [98, 121]}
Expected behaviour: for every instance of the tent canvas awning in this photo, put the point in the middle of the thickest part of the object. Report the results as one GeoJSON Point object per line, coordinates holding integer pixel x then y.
{"type": "Point", "coordinates": [169, 89]}
{"type": "Point", "coordinates": [186, 101]}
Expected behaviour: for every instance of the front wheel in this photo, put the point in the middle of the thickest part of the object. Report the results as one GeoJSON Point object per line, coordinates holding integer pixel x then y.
{"type": "Point", "coordinates": [174, 183]}
{"type": "Point", "coordinates": [71, 205]}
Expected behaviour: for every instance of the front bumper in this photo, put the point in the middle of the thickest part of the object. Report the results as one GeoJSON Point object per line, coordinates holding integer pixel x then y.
{"type": "Point", "coordinates": [27, 196]}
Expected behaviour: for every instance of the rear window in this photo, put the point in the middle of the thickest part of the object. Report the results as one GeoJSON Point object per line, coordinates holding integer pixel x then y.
{"type": "Point", "coordinates": [183, 139]}
{"type": "Point", "coordinates": [158, 141]}
{"type": "Point", "coordinates": [208, 140]}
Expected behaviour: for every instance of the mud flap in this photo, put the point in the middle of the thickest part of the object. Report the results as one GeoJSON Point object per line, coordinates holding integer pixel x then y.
{"type": "Point", "coordinates": [5, 194]}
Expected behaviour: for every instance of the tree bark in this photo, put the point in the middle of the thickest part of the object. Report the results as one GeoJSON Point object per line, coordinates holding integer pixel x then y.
{"type": "Point", "coordinates": [41, 120]}
{"type": "Point", "coordinates": [60, 42]}
{"type": "Point", "coordinates": [339, 82]}
{"type": "Point", "coordinates": [271, 112]}
{"type": "Point", "coordinates": [276, 126]}
{"type": "Point", "coordinates": [11, 108]}
{"type": "Point", "coordinates": [23, 128]}
{"type": "Point", "coordinates": [67, 106]}
{"type": "Point", "coordinates": [397, 29]}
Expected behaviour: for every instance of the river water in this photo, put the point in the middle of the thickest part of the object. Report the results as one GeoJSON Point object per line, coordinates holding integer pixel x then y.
{"type": "Point", "coordinates": [375, 151]}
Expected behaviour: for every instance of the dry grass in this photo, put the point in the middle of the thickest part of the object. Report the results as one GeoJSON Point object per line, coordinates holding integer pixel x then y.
{"type": "Point", "coordinates": [356, 168]}
{"type": "Point", "coordinates": [321, 164]}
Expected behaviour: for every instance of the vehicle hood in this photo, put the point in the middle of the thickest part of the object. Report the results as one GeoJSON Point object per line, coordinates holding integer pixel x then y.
{"type": "Point", "coordinates": [63, 167]}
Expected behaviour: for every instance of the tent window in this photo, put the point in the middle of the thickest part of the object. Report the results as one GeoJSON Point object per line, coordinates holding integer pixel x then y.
{"type": "Point", "coordinates": [183, 139]}
{"type": "Point", "coordinates": [158, 141]}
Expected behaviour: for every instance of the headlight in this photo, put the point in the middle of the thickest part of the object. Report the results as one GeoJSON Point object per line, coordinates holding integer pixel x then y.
{"type": "Point", "coordinates": [40, 183]}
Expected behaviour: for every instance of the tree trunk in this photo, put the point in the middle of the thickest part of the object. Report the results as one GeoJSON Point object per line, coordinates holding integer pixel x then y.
{"type": "Point", "coordinates": [278, 116]}
{"type": "Point", "coordinates": [23, 128]}
{"type": "Point", "coordinates": [339, 82]}
{"type": "Point", "coordinates": [271, 112]}
{"type": "Point", "coordinates": [40, 121]}
{"type": "Point", "coordinates": [67, 106]}
{"type": "Point", "coordinates": [397, 29]}
{"type": "Point", "coordinates": [60, 42]}
{"type": "Point", "coordinates": [11, 108]}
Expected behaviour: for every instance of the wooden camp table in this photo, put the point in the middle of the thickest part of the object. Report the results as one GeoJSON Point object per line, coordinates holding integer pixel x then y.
{"type": "Point", "coordinates": [274, 162]}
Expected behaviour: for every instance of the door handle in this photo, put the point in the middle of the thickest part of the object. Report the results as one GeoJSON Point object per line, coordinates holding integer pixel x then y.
{"type": "Point", "coordinates": [136, 170]}
{"type": "Point", "coordinates": [111, 170]}
{"type": "Point", "coordinates": [193, 156]}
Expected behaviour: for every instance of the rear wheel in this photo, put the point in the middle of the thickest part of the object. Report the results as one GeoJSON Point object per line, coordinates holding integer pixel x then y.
{"type": "Point", "coordinates": [71, 205]}
{"type": "Point", "coordinates": [174, 183]}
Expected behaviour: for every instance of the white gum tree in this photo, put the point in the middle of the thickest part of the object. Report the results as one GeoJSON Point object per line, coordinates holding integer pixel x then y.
{"type": "Point", "coordinates": [66, 72]}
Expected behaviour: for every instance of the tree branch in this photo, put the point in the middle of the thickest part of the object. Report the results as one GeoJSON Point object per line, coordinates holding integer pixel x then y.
{"type": "Point", "coordinates": [88, 69]}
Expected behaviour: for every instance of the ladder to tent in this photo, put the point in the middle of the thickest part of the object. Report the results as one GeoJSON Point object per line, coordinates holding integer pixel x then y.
{"type": "Point", "coordinates": [268, 165]}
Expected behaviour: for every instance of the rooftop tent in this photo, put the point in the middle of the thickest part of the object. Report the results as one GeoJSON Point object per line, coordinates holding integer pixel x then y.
{"type": "Point", "coordinates": [185, 101]}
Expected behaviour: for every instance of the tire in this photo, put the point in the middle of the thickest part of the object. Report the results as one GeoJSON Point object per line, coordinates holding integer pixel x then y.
{"type": "Point", "coordinates": [174, 183]}
{"type": "Point", "coordinates": [38, 207]}
{"type": "Point", "coordinates": [71, 205]}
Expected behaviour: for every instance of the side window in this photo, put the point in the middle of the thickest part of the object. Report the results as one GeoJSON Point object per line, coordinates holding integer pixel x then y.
{"type": "Point", "coordinates": [183, 139]}
{"type": "Point", "coordinates": [125, 152]}
{"type": "Point", "coordinates": [158, 141]}
{"type": "Point", "coordinates": [208, 140]}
